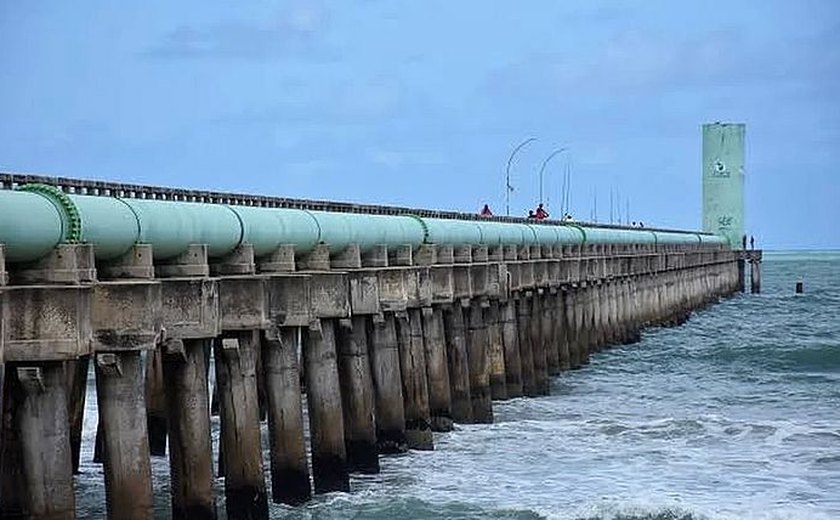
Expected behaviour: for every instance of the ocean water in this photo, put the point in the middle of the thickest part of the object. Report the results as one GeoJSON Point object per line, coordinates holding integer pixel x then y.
{"type": "Point", "coordinates": [734, 415]}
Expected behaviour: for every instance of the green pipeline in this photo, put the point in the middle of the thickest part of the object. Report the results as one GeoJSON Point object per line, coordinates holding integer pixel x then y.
{"type": "Point", "coordinates": [37, 218]}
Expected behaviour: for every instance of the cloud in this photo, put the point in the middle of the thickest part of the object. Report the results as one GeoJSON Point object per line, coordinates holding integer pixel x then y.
{"type": "Point", "coordinates": [636, 62]}
{"type": "Point", "coordinates": [298, 29]}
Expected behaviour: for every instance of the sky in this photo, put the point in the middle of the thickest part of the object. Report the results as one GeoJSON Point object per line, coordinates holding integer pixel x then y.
{"type": "Point", "coordinates": [421, 103]}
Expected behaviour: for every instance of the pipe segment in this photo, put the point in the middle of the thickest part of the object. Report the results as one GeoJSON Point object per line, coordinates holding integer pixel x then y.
{"type": "Point", "coordinates": [672, 238]}
{"type": "Point", "coordinates": [267, 229]}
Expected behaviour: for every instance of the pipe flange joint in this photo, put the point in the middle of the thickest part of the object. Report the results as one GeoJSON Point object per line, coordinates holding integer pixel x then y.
{"type": "Point", "coordinates": [70, 216]}
{"type": "Point", "coordinates": [422, 225]}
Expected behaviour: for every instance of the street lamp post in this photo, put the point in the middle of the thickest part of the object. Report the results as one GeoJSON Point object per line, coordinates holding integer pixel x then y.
{"type": "Point", "coordinates": [544, 164]}
{"type": "Point", "coordinates": [508, 187]}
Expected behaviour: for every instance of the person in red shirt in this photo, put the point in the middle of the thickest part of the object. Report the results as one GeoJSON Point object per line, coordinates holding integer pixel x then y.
{"type": "Point", "coordinates": [541, 213]}
{"type": "Point", "coordinates": [485, 211]}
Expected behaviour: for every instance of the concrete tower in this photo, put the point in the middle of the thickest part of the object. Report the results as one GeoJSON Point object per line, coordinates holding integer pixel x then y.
{"type": "Point", "coordinates": [723, 180]}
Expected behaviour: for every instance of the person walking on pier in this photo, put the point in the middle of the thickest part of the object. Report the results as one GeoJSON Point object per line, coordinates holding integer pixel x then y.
{"type": "Point", "coordinates": [752, 242]}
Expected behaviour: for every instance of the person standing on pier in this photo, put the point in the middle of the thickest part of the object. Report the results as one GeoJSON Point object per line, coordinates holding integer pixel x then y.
{"type": "Point", "coordinates": [541, 213]}
{"type": "Point", "coordinates": [485, 211]}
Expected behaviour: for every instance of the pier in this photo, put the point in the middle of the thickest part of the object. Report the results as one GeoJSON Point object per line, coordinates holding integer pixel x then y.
{"type": "Point", "coordinates": [394, 323]}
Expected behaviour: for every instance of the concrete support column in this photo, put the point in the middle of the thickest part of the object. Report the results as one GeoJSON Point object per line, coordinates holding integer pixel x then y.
{"type": "Point", "coordinates": [584, 323]}
{"type": "Point", "coordinates": [561, 330]}
{"type": "Point", "coordinates": [570, 307]}
{"type": "Point", "coordinates": [357, 395]}
{"type": "Point", "coordinates": [510, 338]}
{"type": "Point", "coordinates": [549, 338]}
{"type": "Point", "coordinates": [459, 370]}
{"type": "Point", "coordinates": [613, 333]}
{"type": "Point", "coordinates": [323, 398]}
{"type": "Point", "coordinates": [437, 370]}
{"type": "Point", "coordinates": [155, 405]}
{"type": "Point", "coordinates": [755, 277]}
{"type": "Point", "coordinates": [289, 465]}
{"type": "Point", "coordinates": [495, 340]}
{"type": "Point", "coordinates": [387, 386]}
{"type": "Point", "coordinates": [418, 430]}
{"type": "Point", "coordinates": [120, 379]}
{"type": "Point", "coordinates": [190, 453]}
{"type": "Point", "coordinates": [76, 372]}
{"type": "Point", "coordinates": [38, 474]}
{"type": "Point", "coordinates": [523, 309]}
{"type": "Point", "coordinates": [538, 352]}
{"type": "Point", "coordinates": [482, 408]}
{"type": "Point", "coordinates": [236, 365]}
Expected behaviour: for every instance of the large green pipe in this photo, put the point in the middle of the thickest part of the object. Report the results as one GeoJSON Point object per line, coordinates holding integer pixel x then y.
{"type": "Point", "coordinates": [33, 223]}
{"type": "Point", "coordinates": [339, 230]}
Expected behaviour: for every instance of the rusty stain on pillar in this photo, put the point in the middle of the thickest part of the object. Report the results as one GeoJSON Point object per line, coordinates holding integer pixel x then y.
{"type": "Point", "coordinates": [495, 340]}
{"type": "Point", "coordinates": [510, 339]}
{"type": "Point", "coordinates": [437, 371]}
{"type": "Point", "coordinates": [185, 371]}
{"type": "Point", "coordinates": [418, 430]}
{"type": "Point", "coordinates": [387, 386]}
{"type": "Point", "coordinates": [459, 370]}
{"type": "Point", "coordinates": [323, 399]}
{"type": "Point", "coordinates": [357, 395]}
{"type": "Point", "coordinates": [289, 465]}
{"type": "Point", "coordinates": [235, 357]}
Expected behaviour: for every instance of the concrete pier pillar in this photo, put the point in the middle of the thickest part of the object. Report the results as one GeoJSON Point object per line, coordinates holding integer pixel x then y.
{"type": "Point", "coordinates": [596, 305]}
{"type": "Point", "coordinates": [418, 430]}
{"type": "Point", "coordinates": [510, 338]}
{"type": "Point", "coordinates": [570, 308]}
{"type": "Point", "coordinates": [155, 404]}
{"type": "Point", "coordinates": [357, 395]}
{"type": "Point", "coordinates": [477, 354]}
{"type": "Point", "coordinates": [236, 359]}
{"type": "Point", "coordinates": [76, 372]}
{"type": "Point", "coordinates": [755, 277]}
{"type": "Point", "coordinates": [549, 338]}
{"type": "Point", "coordinates": [39, 473]}
{"type": "Point", "coordinates": [289, 465]}
{"type": "Point", "coordinates": [561, 330]}
{"type": "Point", "coordinates": [190, 454]}
{"type": "Point", "coordinates": [437, 370]}
{"type": "Point", "coordinates": [583, 323]}
{"type": "Point", "coordinates": [323, 398]}
{"type": "Point", "coordinates": [387, 386]}
{"type": "Point", "coordinates": [526, 356]}
{"type": "Point", "coordinates": [538, 342]}
{"type": "Point", "coordinates": [459, 371]}
{"type": "Point", "coordinates": [120, 379]}
{"type": "Point", "coordinates": [495, 340]}
{"type": "Point", "coordinates": [12, 489]}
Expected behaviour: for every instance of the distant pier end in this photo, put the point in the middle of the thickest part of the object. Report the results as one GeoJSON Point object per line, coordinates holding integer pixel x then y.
{"type": "Point", "coordinates": [723, 180]}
